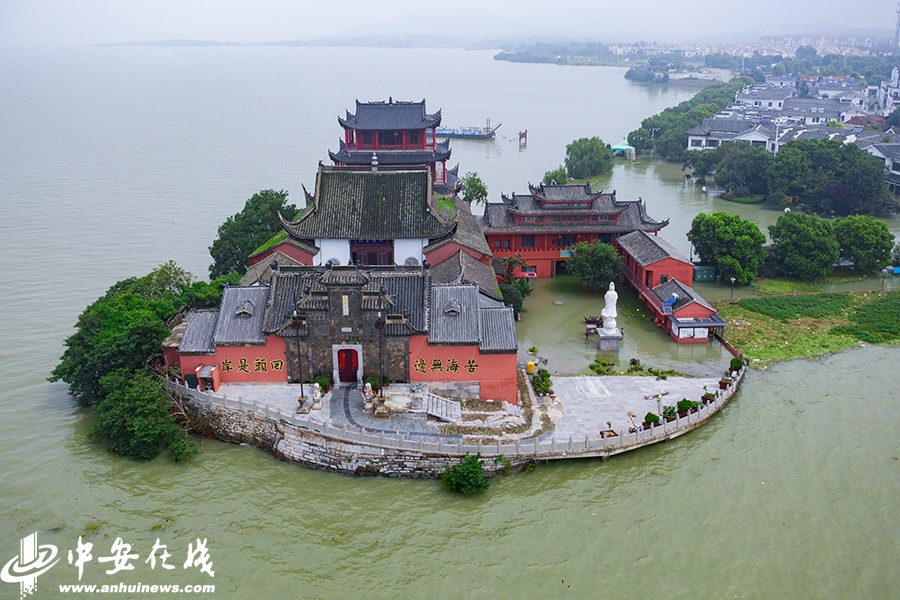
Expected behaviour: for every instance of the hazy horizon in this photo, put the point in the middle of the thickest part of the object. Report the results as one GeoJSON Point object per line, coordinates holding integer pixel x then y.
{"type": "Point", "coordinates": [88, 22]}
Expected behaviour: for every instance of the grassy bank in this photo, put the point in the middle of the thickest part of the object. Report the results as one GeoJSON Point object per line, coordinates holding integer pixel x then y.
{"type": "Point", "coordinates": [774, 328]}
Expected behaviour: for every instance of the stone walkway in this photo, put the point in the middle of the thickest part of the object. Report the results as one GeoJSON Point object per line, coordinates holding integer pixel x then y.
{"type": "Point", "coordinates": [582, 406]}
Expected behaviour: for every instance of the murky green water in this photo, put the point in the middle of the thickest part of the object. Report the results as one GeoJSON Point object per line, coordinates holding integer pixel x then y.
{"type": "Point", "coordinates": [791, 492]}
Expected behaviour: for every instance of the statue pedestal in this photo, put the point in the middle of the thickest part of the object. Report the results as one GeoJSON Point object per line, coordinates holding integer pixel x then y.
{"type": "Point", "coordinates": [609, 339]}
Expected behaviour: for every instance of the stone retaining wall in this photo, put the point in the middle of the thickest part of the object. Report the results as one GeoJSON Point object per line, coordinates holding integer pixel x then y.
{"type": "Point", "coordinates": [312, 449]}
{"type": "Point", "coordinates": [360, 452]}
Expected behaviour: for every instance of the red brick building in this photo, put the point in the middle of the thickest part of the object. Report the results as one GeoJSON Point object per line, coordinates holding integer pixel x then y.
{"type": "Point", "coordinates": [350, 323]}
{"type": "Point", "coordinates": [545, 224]}
{"type": "Point", "coordinates": [662, 278]}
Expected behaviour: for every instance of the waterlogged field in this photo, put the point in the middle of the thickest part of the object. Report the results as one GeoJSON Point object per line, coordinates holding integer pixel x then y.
{"type": "Point", "coordinates": [786, 327]}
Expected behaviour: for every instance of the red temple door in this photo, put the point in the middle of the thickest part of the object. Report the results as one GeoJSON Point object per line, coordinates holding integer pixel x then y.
{"type": "Point", "coordinates": [348, 364]}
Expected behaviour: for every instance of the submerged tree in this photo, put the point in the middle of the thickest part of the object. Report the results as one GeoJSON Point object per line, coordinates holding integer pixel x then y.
{"type": "Point", "coordinates": [595, 264]}
{"type": "Point", "coordinates": [108, 362]}
{"type": "Point", "coordinates": [586, 157]}
{"type": "Point", "coordinates": [734, 245]}
{"type": "Point", "coordinates": [805, 245]}
{"type": "Point", "coordinates": [467, 477]}
{"type": "Point", "coordinates": [865, 241]}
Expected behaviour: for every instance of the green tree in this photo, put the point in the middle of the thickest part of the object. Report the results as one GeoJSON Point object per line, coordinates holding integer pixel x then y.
{"type": "Point", "coordinates": [831, 178]}
{"type": "Point", "coordinates": [467, 477]}
{"type": "Point", "coordinates": [244, 232]}
{"type": "Point", "coordinates": [586, 157]}
{"type": "Point", "coordinates": [135, 417]}
{"type": "Point", "coordinates": [595, 264]}
{"type": "Point", "coordinates": [804, 245]}
{"type": "Point", "coordinates": [734, 245]}
{"type": "Point", "coordinates": [473, 189]}
{"type": "Point", "coordinates": [740, 164]}
{"type": "Point", "coordinates": [201, 294]}
{"type": "Point", "coordinates": [556, 176]}
{"type": "Point", "coordinates": [122, 331]}
{"type": "Point", "coordinates": [107, 362]}
{"type": "Point", "coordinates": [865, 241]}
{"type": "Point", "coordinates": [512, 297]}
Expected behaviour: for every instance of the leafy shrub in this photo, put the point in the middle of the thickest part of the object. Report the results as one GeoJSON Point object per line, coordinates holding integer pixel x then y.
{"type": "Point", "coordinates": [467, 477]}
{"type": "Point", "coordinates": [669, 412]}
{"type": "Point", "coordinates": [736, 363]}
{"type": "Point", "coordinates": [652, 418]}
{"type": "Point", "coordinates": [323, 379]}
{"type": "Point", "coordinates": [685, 405]}
{"type": "Point", "coordinates": [541, 382]}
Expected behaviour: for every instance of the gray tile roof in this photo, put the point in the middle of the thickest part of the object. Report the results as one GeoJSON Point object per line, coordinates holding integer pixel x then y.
{"type": "Point", "coordinates": [831, 108]}
{"type": "Point", "coordinates": [289, 286]}
{"type": "Point", "coordinates": [460, 314]}
{"type": "Point", "coordinates": [722, 126]}
{"type": "Point", "coordinates": [565, 192]}
{"type": "Point", "coordinates": [686, 294]}
{"type": "Point", "coordinates": [454, 315]}
{"type": "Point", "coordinates": [357, 204]}
{"type": "Point", "coordinates": [308, 287]}
{"type": "Point", "coordinates": [468, 232]}
{"type": "Point", "coordinates": [391, 157]}
{"type": "Point", "coordinates": [241, 316]}
{"type": "Point", "coordinates": [198, 332]}
{"type": "Point", "coordinates": [499, 217]}
{"type": "Point", "coordinates": [463, 268]}
{"type": "Point", "coordinates": [498, 330]}
{"type": "Point", "coordinates": [767, 93]}
{"type": "Point", "coordinates": [647, 249]}
{"type": "Point", "coordinates": [390, 115]}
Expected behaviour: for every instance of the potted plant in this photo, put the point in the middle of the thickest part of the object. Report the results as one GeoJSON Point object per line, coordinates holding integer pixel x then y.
{"type": "Point", "coordinates": [323, 380]}
{"type": "Point", "coordinates": [686, 406]}
{"type": "Point", "coordinates": [541, 382]}
{"type": "Point", "coordinates": [735, 366]}
{"type": "Point", "coordinates": [650, 419]}
{"type": "Point", "coordinates": [668, 413]}
{"type": "Point", "coordinates": [725, 381]}
{"type": "Point", "coordinates": [708, 397]}
{"type": "Point", "coordinates": [609, 431]}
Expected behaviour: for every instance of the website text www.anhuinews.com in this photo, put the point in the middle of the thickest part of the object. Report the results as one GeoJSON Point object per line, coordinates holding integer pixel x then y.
{"type": "Point", "coordinates": [135, 588]}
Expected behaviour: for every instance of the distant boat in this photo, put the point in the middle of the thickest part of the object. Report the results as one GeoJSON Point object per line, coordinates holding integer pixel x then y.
{"type": "Point", "coordinates": [470, 133]}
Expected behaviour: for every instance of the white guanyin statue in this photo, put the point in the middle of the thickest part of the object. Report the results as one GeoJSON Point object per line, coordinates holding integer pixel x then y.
{"type": "Point", "coordinates": [609, 309]}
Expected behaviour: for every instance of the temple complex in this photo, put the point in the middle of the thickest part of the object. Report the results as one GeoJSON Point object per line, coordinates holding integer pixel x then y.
{"type": "Point", "coordinates": [545, 224]}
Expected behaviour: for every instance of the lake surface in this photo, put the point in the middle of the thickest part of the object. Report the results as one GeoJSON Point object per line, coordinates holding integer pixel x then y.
{"type": "Point", "coordinates": [114, 160]}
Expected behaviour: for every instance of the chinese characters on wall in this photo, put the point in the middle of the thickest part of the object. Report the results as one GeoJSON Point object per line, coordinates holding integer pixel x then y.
{"type": "Point", "coordinates": [260, 365]}
{"type": "Point", "coordinates": [437, 365]}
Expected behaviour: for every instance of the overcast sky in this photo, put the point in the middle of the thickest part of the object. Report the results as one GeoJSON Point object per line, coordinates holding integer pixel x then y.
{"type": "Point", "coordinates": [40, 22]}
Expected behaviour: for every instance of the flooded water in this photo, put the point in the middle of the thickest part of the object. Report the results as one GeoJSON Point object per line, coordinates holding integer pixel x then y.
{"type": "Point", "coordinates": [118, 159]}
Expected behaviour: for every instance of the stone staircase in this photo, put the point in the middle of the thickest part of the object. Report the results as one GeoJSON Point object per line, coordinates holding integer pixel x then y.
{"type": "Point", "coordinates": [442, 408]}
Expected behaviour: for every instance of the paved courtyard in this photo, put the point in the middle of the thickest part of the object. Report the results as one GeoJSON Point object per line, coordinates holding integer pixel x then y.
{"type": "Point", "coordinates": [582, 406]}
{"type": "Point", "coordinates": [588, 402]}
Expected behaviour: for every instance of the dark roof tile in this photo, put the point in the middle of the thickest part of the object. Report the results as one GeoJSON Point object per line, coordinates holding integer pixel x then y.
{"type": "Point", "coordinates": [648, 249]}
{"type": "Point", "coordinates": [198, 332]}
{"type": "Point", "coordinates": [390, 115]}
{"type": "Point", "coordinates": [353, 204]}
{"type": "Point", "coordinates": [241, 316]}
